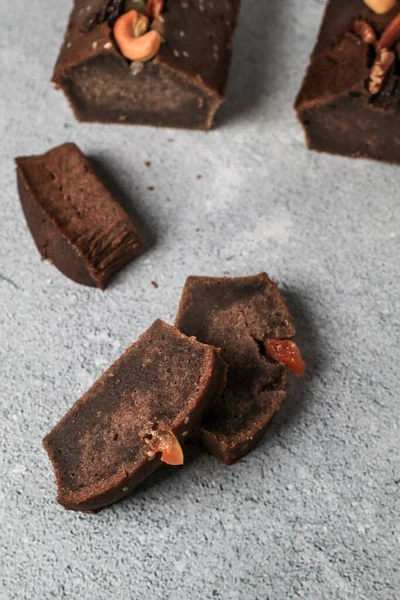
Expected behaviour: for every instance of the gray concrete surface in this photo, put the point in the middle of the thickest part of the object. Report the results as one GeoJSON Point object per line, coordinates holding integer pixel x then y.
{"type": "Point", "coordinates": [314, 512]}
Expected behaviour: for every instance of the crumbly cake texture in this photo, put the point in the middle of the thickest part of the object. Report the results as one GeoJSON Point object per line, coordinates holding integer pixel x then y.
{"type": "Point", "coordinates": [75, 221]}
{"type": "Point", "coordinates": [100, 448]}
{"type": "Point", "coordinates": [181, 87]}
{"type": "Point", "coordinates": [336, 106]}
{"type": "Point", "coordinates": [238, 315]}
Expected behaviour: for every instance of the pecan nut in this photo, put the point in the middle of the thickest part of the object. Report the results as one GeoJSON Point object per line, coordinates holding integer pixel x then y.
{"type": "Point", "coordinates": [380, 69]}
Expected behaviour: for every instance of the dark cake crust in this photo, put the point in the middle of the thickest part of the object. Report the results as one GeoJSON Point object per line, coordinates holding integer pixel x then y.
{"type": "Point", "coordinates": [75, 222]}
{"type": "Point", "coordinates": [334, 105]}
{"type": "Point", "coordinates": [237, 315]}
{"type": "Point", "coordinates": [98, 449]}
{"type": "Point", "coordinates": [181, 87]}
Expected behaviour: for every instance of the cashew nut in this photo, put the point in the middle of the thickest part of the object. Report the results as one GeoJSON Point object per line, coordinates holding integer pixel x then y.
{"type": "Point", "coordinates": [132, 39]}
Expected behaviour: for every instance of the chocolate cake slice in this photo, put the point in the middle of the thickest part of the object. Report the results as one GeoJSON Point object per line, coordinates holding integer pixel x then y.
{"type": "Point", "coordinates": [138, 413]}
{"type": "Point", "coordinates": [241, 316]}
{"type": "Point", "coordinates": [181, 86]}
{"type": "Point", "coordinates": [75, 221]}
{"type": "Point", "coordinates": [349, 103]}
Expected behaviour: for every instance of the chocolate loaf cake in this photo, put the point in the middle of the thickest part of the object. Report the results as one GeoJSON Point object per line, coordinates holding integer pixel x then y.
{"type": "Point", "coordinates": [75, 221]}
{"type": "Point", "coordinates": [138, 413]}
{"type": "Point", "coordinates": [181, 86]}
{"type": "Point", "coordinates": [240, 316]}
{"type": "Point", "coordinates": [349, 103]}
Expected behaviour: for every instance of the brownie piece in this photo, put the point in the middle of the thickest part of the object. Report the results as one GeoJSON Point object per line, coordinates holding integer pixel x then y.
{"type": "Point", "coordinates": [181, 87]}
{"type": "Point", "coordinates": [103, 448]}
{"type": "Point", "coordinates": [238, 315]}
{"type": "Point", "coordinates": [76, 223]}
{"type": "Point", "coordinates": [341, 110]}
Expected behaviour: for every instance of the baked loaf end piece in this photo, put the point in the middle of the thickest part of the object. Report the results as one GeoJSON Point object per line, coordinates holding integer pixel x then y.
{"type": "Point", "coordinates": [181, 87]}
{"type": "Point", "coordinates": [339, 108]}
{"type": "Point", "coordinates": [238, 315]}
{"type": "Point", "coordinates": [102, 448]}
{"type": "Point", "coordinates": [75, 221]}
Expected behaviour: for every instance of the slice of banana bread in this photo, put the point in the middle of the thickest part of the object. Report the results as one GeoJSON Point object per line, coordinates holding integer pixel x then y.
{"type": "Point", "coordinates": [239, 315]}
{"type": "Point", "coordinates": [136, 415]}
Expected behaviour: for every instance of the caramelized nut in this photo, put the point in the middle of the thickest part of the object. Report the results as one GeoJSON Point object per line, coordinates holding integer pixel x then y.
{"type": "Point", "coordinates": [365, 32]}
{"type": "Point", "coordinates": [383, 62]}
{"type": "Point", "coordinates": [141, 48]}
{"type": "Point", "coordinates": [165, 441]}
{"type": "Point", "coordinates": [286, 351]}
{"type": "Point", "coordinates": [380, 7]}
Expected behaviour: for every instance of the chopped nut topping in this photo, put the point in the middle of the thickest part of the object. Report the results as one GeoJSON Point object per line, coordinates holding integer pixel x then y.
{"type": "Point", "coordinates": [136, 67]}
{"type": "Point", "coordinates": [381, 67]}
{"type": "Point", "coordinates": [365, 32]}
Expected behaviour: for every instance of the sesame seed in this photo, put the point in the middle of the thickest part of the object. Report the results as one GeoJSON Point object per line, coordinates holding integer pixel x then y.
{"type": "Point", "coordinates": [94, 45]}
{"type": "Point", "coordinates": [186, 420]}
{"type": "Point", "coordinates": [69, 45]}
{"type": "Point", "coordinates": [186, 54]}
{"type": "Point", "coordinates": [215, 47]}
{"type": "Point", "coordinates": [108, 45]}
{"type": "Point", "coordinates": [125, 489]}
{"type": "Point", "coordinates": [182, 33]}
{"type": "Point", "coordinates": [176, 53]}
{"type": "Point", "coordinates": [184, 434]}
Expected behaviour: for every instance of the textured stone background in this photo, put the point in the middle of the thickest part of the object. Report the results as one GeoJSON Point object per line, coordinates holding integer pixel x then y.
{"type": "Point", "coordinates": [314, 512]}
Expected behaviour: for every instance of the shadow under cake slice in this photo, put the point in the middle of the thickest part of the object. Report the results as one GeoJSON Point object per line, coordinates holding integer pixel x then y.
{"type": "Point", "coordinates": [146, 403]}
{"type": "Point", "coordinates": [75, 221]}
{"type": "Point", "coordinates": [239, 315]}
